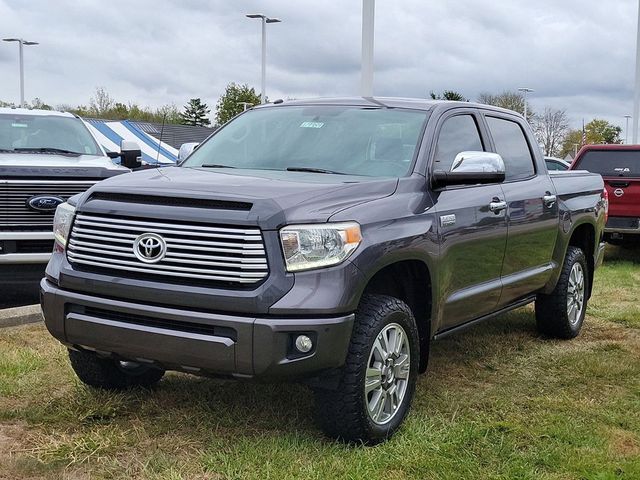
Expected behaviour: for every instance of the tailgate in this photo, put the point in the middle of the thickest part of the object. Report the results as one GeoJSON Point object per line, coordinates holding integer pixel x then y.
{"type": "Point", "coordinates": [624, 196]}
{"type": "Point", "coordinates": [619, 166]}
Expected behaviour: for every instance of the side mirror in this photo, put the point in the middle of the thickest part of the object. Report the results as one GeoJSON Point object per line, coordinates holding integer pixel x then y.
{"type": "Point", "coordinates": [186, 149]}
{"type": "Point", "coordinates": [471, 168]}
{"type": "Point", "coordinates": [130, 154]}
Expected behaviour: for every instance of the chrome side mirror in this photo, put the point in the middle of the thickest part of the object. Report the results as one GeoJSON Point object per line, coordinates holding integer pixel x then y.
{"type": "Point", "coordinates": [471, 168]}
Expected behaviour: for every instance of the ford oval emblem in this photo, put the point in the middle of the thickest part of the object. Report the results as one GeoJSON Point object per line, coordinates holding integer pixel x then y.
{"type": "Point", "coordinates": [44, 203]}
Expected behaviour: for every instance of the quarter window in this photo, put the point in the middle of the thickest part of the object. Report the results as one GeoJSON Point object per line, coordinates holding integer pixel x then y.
{"type": "Point", "coordinates": [512, 146]}
{"type": "Point", "coordinates": [458, 134]}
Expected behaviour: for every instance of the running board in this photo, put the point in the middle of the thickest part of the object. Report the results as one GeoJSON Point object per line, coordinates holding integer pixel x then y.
{"type": "Point", "coordinates": [470, 323]}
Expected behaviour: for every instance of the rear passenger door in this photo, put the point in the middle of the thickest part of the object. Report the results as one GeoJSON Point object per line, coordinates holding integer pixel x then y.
{"type": "Point", "coordinates": [532, 212]}
{"type": "Point", "coordinates": [472, 238]}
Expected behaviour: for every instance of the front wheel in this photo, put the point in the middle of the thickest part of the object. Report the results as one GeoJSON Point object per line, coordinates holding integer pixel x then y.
{"type": "Point", "coordinates": [561, 313]}
{"type": "Point", "coordinates": [378, 379]}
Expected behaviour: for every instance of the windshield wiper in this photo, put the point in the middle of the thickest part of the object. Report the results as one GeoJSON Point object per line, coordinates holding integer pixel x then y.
{"type": "Point", "coordinates": [47, 150]}
{"type": "Point", "coordinates": [313, 170]}
{"type": "Point", "coordinates": [215, 165]}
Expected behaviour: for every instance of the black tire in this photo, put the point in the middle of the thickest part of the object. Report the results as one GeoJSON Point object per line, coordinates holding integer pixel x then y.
{"type": "Point", "coordinates": [343, 413]}
{"type": "Point", "coordinates": [110, 374]}
{"type": "Point", "coordinates": [552, 316]}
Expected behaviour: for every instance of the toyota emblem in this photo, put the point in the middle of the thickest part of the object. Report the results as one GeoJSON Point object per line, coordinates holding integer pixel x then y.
{"type": "Point", "coordinates": [618, 192]}
{"type": "Point", "coordinates": [149, 248]}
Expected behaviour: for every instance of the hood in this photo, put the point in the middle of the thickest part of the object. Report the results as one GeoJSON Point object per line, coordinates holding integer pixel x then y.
{"type": "Point", "coordinates": [43, 164]}
{"type": "Point", "coordinates": [273, 197]}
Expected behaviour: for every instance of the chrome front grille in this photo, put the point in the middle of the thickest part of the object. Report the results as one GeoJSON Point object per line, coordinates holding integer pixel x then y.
{"type": "Point", "coordinates": [14, 194]}
{"type": "Point", "coordinates": [193, 251]}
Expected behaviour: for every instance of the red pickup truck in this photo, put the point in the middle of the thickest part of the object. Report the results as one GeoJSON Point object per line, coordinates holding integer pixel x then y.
{"type": "Point", "coordinates": [619, 166]}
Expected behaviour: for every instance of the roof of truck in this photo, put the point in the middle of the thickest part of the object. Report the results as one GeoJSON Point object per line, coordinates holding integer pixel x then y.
{"type": "Point", "coordinates": [391, 102]}
{"type": "Point", "coordinates": [34, 111]}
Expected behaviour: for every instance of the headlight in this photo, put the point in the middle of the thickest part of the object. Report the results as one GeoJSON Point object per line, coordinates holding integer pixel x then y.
{"type": "Point", "coordinates": [62, 223]}
{"type": "Point", "coordinates": [314, 246]}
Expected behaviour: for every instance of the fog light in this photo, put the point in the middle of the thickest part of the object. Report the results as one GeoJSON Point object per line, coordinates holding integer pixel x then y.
{"type": "Point", "coordinates": [303, 344]}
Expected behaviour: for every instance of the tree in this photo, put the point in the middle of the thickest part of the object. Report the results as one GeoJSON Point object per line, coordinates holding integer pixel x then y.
{"type": "Point", "coordinates": [449, 95]}
{"type": "Point", "coordinates": [550, 129]}
{"type": "Point", "coordinates": [39, 104]}
{"type": "Point", "coordinates": [508, 99]}
{"type": "Point", "coordinates": [195, 113]}
{"type": "Point", "coordinates": [571, 143]}
{"type": "Point", "coordinates": [231, 103]}
{"type": "Point", "coordinates": [601, 131]}
{"type": "Point", "coordinates": [101, 102]}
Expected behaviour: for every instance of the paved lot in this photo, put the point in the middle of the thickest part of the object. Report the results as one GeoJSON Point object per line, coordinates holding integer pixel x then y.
{"type": "Point", "coordinates": [18, 295]}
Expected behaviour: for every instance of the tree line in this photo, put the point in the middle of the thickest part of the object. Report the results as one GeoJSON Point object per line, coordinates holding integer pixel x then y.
{"type": "Point", "coordinates": [551, 126]}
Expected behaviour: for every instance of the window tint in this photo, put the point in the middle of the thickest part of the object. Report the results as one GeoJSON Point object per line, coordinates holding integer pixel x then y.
{"type": "Point", "coordinates": [512, 146]}
{"type": "Point", "coordinates": [611, 163]}
{"type": "Point", "coordinates": [458, 134]}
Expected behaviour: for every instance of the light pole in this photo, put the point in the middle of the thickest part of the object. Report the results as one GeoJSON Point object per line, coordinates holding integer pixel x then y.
{"type": "Point", "coordinates": [366, 75]}
{"type": "Point", "coordinates": [245, 105]}
{"type": "Point", "coordinates": [21, 42]}
{"type": "Point", "coordinates": [636, 96]}
{"type": "Point", "coordinates": [525, 90]}
{"type": "Point", "coordinates": [626, 130]}
{"type": "Point", "coordinates": [264, 19]}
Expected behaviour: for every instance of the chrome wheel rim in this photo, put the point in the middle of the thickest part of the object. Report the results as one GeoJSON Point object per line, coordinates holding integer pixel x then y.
{"type": "Point", "coordinates": [575, 294]}
{"type": "Point", "coordinates": [387, 376]}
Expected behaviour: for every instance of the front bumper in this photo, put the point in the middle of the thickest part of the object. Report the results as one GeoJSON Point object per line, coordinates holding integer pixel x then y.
{"type": "Point", "coordinates": [194, 341]}
{"type": "Point", "coordinates": [25, 247]}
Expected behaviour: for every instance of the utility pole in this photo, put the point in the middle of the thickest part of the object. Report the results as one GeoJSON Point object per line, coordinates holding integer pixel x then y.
{"type": "Point", "coordinates": [264, 20]}
{"type": "Point", "coordinates": [21, 43]}
{"type": "Point", "coordinates": [368, 17]}
{"type": "Point", "coordinates": [525, 90]}
{"type": "Point", "coordinates": [626, 130]}
{"type": "Point", "coordinates": [636, 96]}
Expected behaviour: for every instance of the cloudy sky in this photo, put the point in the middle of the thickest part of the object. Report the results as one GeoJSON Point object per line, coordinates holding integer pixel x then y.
{"type": "Point", "coordinates": [577, 55]}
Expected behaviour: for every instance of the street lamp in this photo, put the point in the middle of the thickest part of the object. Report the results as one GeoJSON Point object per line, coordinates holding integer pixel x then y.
{"type": "Point", "coordinates": [21, 42]}
{"type": "Point", "coordinates": [525, 90]}
{"type": "Point", "coordinates": [245, 105]}
{"type": "Point", "coordinates": [626, 129]}
{"type": "Point", "coordinates": [264, 20]}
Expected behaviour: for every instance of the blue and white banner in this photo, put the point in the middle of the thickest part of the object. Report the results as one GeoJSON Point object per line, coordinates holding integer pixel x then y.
{"type": "Point", "coordinates": [110, 134]}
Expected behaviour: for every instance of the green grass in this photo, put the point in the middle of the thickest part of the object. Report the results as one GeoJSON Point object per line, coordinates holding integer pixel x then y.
{"type": "Point", "coordinates": [498, 401]}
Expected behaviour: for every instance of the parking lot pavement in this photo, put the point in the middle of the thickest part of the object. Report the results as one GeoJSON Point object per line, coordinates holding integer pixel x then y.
{"type": "Point", "coordinates": [19, 294]}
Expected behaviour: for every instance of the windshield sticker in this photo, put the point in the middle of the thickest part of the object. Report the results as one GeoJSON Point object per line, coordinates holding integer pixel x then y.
{"type": "Point", "coordinates": [19, 125]}
{"type": "Point", "coordinates": [311, 124]}
{"type": "Point", "coordinates": [622, 170]}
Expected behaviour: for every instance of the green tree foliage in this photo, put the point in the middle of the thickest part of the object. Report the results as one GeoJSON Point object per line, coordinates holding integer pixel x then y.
{"type": "Point", "coordinates": [231, 103]}
{"type": "Point", "coordinates": [601, 131]}
{"type": "Point", "coordinates": [195, 113]}
{"type": "Point", "coordinates": [40, 105]}
{"type": "Point", "coordinates": [449, 95]}
{"type": "Point", "coordinates": [511, 100]}
{"type": "Point", "coordinates": [597, 131]}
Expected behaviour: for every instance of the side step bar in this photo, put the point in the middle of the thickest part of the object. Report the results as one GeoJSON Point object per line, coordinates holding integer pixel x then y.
{"type": "Point", "coordinates": [470, 323]}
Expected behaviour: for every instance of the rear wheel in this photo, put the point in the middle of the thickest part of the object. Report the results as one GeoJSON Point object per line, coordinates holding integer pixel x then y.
{"type": "Point", "coordinates": [111, 374]}
{"type": "Point", "coordinates": [561, 313]}
{"type": "Point", "coordinates": [378, 379]}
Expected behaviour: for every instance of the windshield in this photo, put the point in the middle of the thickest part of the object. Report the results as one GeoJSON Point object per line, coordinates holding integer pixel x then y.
{"type": "Point", "coordinates": [611, 163]}
{"type": "Point", "coordinates": [321, 139]}
{"type": "Point", "coordinates": [45, 133]}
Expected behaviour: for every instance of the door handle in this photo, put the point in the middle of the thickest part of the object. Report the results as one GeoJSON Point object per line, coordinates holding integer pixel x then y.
{"type": "Point", "coordinates": [549, 200]}
{"type": "Point", "coordinates": [497, 205]}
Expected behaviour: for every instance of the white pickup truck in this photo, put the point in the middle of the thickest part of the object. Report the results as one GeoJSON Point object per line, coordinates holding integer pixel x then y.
{"type": "Point", "coordinates": [45, 158]}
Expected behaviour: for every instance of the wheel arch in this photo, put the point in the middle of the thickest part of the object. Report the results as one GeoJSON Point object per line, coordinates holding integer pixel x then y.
{"type": "Point", "coordinates": [409, 280]}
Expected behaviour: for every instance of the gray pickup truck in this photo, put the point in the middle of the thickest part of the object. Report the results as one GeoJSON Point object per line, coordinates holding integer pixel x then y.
{"type": "Point", "coordinates": [327, 242]}
{"type": "Point", "coordinates": [45, 158]}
